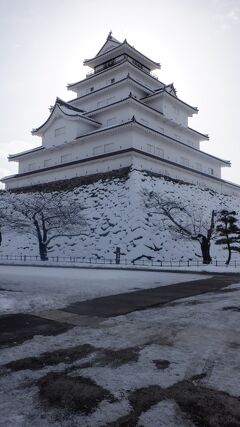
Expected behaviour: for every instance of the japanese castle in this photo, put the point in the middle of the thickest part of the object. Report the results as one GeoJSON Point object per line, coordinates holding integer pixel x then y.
{"type": "Point", "coordinates": [122, 116]}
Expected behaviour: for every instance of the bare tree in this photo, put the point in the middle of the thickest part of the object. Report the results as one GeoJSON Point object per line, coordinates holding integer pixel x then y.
{"type": "Point", "coordinates": [181, 221]}
{"type": "Point", "coordinates": [46, 216]}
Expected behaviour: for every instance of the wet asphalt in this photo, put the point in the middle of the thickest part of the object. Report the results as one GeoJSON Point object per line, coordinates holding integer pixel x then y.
{"type": "Point", "coordinates": [17, 328]}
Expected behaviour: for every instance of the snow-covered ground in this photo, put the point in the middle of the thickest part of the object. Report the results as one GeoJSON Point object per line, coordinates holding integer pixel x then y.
{"type": "Point", "coordinates": [197, 335]}
{"type": "Point", "coordinates": [32, 288]}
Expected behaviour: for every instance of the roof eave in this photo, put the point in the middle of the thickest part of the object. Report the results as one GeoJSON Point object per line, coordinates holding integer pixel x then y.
{"type": "Point", "coordinates": [92, 62]}
{"type": "Point", "coordinates": [8, 177]}
{"type": "Point", "coordinates": [14, 157]}
{"type": "Point", "coordinates": [40, 130]}
{"type": "Point", "coordinates": [193, 110]}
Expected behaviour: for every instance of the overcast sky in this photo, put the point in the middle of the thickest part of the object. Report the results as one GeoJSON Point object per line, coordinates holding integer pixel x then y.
{"type": "Point", "coordinates": [44, 42]}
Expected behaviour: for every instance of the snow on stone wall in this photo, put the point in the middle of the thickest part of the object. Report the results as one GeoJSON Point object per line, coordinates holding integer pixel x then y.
{"type": "Point", "coordinates": [116, 216]}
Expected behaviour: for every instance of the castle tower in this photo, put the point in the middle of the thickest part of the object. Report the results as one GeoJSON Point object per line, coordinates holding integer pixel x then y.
{"type": "Point", "coordinates": [122, 116]}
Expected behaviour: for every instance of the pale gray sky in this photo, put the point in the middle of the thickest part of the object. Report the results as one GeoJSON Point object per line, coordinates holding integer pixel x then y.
{"type": "Point", "coordinates": [43, 44]}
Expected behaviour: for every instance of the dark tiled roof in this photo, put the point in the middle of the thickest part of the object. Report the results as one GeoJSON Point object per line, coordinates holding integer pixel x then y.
{"type": "Point", "coordinates": [109, 69]}
{"type": "Point", "coordinates": [227, 162]}
{"type": "Point", "coordinates": [110, 86]}
{"type": "Point", "coordinates": [163, 90]}
{"type": "Point", "coordinates": [115, 153]}
{"type": "Point", "coordinates": [144, 105]}
{"type": "Point", "coordinates": [23, 153]}
{"type": "Point", "coordinates": [115, 48]}
{"type": "Point", "coordinates": [60, 103]}
{"type": "Point", "coordinates": [109, 38]}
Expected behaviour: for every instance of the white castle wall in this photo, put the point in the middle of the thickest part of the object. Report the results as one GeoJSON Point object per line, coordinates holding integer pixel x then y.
{"type": "Point", "coordinates": [68, 129]}
{"type": "Point", "coordinates": [109, 95]}
{"type": "Point", "coordinates": [78, 150]}
{"type": "Point", "coordinates": [170, 108]}
{"type": "Point", "coordinates": [123, 112]}
{"type": "Point", "coordinates": [117, 73]}
{"type": "Point", "coordinates": [175, 152]}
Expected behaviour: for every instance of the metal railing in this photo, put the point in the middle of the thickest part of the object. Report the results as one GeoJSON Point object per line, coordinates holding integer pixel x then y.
{"type": "Point", "coordinates": [26, 259]}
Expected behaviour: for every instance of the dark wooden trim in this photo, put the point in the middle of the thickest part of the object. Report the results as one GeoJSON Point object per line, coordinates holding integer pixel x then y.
{"type": "Point", "coordinates": [34, 150]}
{"type": "Point", "coordinates": [78, 114]}
{"type": "Point", "coordinates": [116, 153]}
{"type": "Point", "coordinates": [134, 121]}
{"type": "Point", "coordinates": [123, 100]}
{"type": "Point", "coordinates": [110, 68]}
{"type": "Point", "coordinates": [162, 91]}
{"type": "Point", "coordinates": [86, 61]}
{"type": "Point", "coordinates": [110, 86]}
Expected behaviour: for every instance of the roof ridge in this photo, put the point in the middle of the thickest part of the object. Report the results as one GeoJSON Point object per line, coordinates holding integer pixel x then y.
{"type": "Point", "coordinates": [66, 104]}
{"type": "Point", "coordinates": [125, 42]}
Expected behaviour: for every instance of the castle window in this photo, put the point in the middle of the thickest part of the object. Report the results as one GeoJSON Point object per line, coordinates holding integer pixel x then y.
{"type": "Point", "coordinates": [159, 152]}
{"type": "Point", "coordinates": [111, 121]}
{"type": "Point", "coordinates": [108, 147]}
{"type": "Point", "coordinates": [211, 171]}
{"type": "Point", "coordinates": [90, 89]}
{"type": "Point", "coordinates": [32, 166]}
{"type": "Point", "coordinates": [110, 81]}
{"type": "Point", "coordinates": [66, 158]}
{"type": "Point", "coordinates": [98, 150]}
{"type": "Point", "coordinates": [60, 131]}
{"type": "Point", "coordinates": [109, 64]}
{"type": "Point", "coordinates": [137, 64]}
{"type": "Point", "coordinates": [47, 162]}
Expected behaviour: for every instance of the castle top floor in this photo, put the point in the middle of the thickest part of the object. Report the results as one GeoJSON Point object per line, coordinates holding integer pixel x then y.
{"type": "Point", "coordinates": [113, 49]}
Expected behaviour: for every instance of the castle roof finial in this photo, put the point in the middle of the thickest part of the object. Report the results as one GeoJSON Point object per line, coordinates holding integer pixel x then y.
{"type": "Point", "coordinates": [109, 35]}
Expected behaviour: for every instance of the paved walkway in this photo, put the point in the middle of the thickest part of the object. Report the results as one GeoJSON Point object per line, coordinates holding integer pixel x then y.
{"type": "Point", "coordinates": [115, 305]}
{"type": "Point", "coordinates": [17, 328]}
